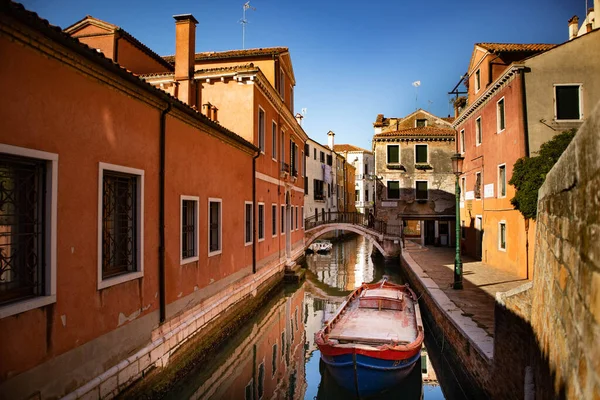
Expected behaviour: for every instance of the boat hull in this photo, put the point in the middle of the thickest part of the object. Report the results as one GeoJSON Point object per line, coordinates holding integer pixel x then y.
{"type": "Point", "coordinates": [371, 375]}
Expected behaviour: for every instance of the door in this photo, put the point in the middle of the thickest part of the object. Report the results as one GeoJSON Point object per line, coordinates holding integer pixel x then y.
{"type": "Point", "coordinates": [444, 233]}
{"type": "Point", "coordinates": [429, 232]}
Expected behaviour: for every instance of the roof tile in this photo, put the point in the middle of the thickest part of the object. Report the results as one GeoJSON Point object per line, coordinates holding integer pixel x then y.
{"type": "Point", "coordinates": [508, 47]}
{"type": "Point", "coordinates": [218, 55]}
{"type": "Point", "coordinates": [421, 131]}
{"type": "Point", "coordinates": [341, 148]}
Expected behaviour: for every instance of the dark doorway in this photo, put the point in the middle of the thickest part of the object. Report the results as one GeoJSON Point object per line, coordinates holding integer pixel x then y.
{"type": "Point", "coordinates": [429, 232]}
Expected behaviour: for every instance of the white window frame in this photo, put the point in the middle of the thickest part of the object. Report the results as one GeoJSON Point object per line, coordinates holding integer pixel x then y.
{"type": "Point", "coordinates": [427, 192]}
{"type": "Point", "coordinates": [580, 102]}
{"type": "Point", "coordinates": [216, 252]}
{"type": "Point", "coordinates": [274, 219]}
{"type": "Point", "coordinates": [263, 221]}
{"type": "Point", "coordinates": [427, 147]}
{"type": "Point", "coordinates": [500, 248]}
{"type": "Point", "coordinates": [274, 140]}
{"type": "Point", "coordinates": [386, 154]}
{"type": "Point", "coordinates": [246, 203]}
{"type": "Point", "coordinates": [104, 283]}
{"type": "Point", "coordinates": [500, 129]}
{"type": "Point", "coordinates": [477, 81]}
{"type": "Point", "coordinates": [261, 146]}
{"type": "Point", "coordinates": [417, 119]}
{"type": "Point", "coordinates": [462, 141]}
{"type": "Point", "coordinates": [50, 233]}
{"type": "Point", "coordinates": [196, 200]}
{"type": "Point", "coordinates": [500, 196]}
{"type": "Point", "coordinates": [478, 132]}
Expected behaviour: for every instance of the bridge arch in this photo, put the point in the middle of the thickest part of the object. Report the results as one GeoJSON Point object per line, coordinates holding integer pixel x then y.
{"type": "Point", "coordinates": [315, 233]}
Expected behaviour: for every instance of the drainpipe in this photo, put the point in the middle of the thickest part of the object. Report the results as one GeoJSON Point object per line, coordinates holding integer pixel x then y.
{"type": "Point", "coordinates": [161, 218]}
{"type": "Point", "coordinates": [526, 137]}
{"type": "Point", "coordinates": [254, 238]}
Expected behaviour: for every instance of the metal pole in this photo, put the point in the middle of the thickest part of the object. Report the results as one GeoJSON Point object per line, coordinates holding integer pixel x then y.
{"type": "Point", "coordinates": [458, 284]}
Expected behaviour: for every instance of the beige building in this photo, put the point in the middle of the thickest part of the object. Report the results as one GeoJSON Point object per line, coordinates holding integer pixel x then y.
{"type": "Point", "coordinates": [415, 183]}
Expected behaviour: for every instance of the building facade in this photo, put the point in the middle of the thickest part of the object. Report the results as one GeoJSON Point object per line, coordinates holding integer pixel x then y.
{"type": "Point", "coordinates": [364, 184]}
{"type": "Point", "coordinates": [414, 176]}
{"type": "Point", "coordinates": [519, 97]}
{"type": "Point", "coordinates": [119, 242]}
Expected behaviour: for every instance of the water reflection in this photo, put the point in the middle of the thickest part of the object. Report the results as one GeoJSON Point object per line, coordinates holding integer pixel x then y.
{"type": "Point", "coordinates": [274, 356]}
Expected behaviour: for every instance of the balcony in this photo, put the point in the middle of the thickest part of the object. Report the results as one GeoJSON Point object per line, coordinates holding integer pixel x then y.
{"type": "Point", "coordinates": [285, 170]}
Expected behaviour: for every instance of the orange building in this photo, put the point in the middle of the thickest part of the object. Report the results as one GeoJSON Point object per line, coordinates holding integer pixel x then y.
{"type": "Point", "coordinates": [122, 230]}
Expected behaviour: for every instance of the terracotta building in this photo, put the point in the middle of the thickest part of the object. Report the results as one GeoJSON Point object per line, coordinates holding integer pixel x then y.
{"type": "Point", "coordinates": [415, 182]}
{"type": "Point", "coordinates": [519, 96]}
{"type": "Point", "coordinates": [121, 231]}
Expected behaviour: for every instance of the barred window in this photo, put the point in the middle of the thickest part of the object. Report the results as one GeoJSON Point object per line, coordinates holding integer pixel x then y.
{"type": "Point", "coordinates": [248, 222]}
{"type": "Point", "coordinates": [119, 223]}
{"type": "Point", "coordinates": [22, 227]}
{"type": "Point", "coordinates": [214, 226]}
{"type": "Point", "coordinates": [189, 228]}
{"type": "Point", "coordinates": [261, 221]}
{"type": "Point", "coordinates": [274, 219]}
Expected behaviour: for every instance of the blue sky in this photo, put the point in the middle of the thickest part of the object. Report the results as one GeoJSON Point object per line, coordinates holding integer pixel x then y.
{"type": "Point", "coordinates": [352, 60]}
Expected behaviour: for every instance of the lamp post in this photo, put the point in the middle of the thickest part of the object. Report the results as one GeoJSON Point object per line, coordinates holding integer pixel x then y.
{"type": "Point", "coordinates": [457, 164]}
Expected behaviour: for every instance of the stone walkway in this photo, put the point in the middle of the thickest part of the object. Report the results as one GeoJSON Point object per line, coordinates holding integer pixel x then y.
{"type": "Point", "coordinates": [480, 282]}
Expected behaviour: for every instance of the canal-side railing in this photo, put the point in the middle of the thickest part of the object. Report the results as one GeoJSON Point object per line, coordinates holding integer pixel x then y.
{"type": "Point", "coordinates": [354, 218]}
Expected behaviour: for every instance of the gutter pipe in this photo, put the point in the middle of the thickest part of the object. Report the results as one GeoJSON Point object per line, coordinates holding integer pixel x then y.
{"type": "Point", "coordinates": [161, 217]}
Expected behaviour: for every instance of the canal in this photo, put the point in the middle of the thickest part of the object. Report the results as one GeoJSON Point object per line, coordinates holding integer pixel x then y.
{"type": "Point", "coordinates": [274, 356]}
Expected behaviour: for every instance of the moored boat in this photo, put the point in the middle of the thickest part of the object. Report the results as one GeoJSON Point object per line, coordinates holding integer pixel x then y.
{"type": "Point", "coordinates": [321, 246]}
{"type": "Point", "coordinates": [374, 340]}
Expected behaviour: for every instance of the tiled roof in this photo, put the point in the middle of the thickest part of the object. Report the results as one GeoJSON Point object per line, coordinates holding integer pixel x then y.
{"type": "Point", "coordinates": [449, 119]}
{"type": "Point", "coordinates": [508, 47]}
{"type": "Point", "coordinates": [218, 55]}
{"type": "Point", "coordinates": [54, 33]}
{"type": "Point", "coordinates": [422, 131]}
{"type": "Point", "coordinates": [341, 148]}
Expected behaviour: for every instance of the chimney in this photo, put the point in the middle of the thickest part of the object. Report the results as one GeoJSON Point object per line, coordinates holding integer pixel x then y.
{"type": "Point", "coordinates": [299, 118]}
{"type": "Point", "coordinates": [185, 49]}
{"type": "Point", "coordinates": [573, 25]}
{"type": "Point", "coordinates": [330, 136]}
{"type": "Point", "coordinates": [207, 110]}
{"type": "Point", "coordinates": [214, 113]}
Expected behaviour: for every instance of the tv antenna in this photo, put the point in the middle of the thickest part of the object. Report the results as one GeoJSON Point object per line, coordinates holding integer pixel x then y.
{"type": "Point", "coordinates": [429, 106]}
{"type": "Point", "coordinates": [244, 21]}
{"type": "Point", "coordinates": [416, 84]}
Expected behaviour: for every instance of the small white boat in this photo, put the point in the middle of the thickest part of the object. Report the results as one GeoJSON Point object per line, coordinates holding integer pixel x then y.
{"type": "Point", "coordinates": [321, 246]}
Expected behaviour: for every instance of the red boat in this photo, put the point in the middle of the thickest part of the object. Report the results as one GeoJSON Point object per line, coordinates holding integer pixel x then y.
{"type": "Point", "coordinates": [374, 339]}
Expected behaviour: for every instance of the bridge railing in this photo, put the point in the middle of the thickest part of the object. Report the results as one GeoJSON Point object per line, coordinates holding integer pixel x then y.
{"type": "Point", "coordinates": [354, 218]}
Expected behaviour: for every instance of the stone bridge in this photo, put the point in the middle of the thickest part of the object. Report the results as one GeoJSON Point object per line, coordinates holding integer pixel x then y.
{"type": "Point", "coordinates": [387, 239]}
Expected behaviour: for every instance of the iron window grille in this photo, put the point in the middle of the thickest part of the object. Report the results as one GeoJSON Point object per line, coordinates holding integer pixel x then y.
{"type": "Point", "coordinates": [261, 221]}
{"type": "Point", "coordinates": [248, 224]}
{"type": "Point", "coordinates": [214, 243]}
{"type": "Point", "coordinates": [22, 227]}
{"type": "Point", "coordinates": [188, 229]}
{"type": "Point", "coordinates": [119, 223]}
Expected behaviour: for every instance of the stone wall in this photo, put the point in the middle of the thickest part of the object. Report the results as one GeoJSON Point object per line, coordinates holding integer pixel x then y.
{"type": "Point", "coordinates": [565, 309]}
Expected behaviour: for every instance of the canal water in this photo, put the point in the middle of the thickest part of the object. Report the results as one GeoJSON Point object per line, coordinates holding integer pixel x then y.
{"type": "Point", "coordinates": [274, 356]}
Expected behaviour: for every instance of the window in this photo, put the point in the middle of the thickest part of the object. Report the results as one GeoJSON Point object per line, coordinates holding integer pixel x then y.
{"type": "Point", "coordinates": [274, 139]}
{"type": "Point", "coordinates": [463, 230]}
{"type": "Point", "coordinates": [478, 185]}
{"type": "Point", "coordinates": [315, 153]}
{"type": "Point", "coordinates": [567, 102]}
{"type": "Point", "coordinates": [261, 222]}
{"type": "Point", "coordinates": [261, 380]}
{"type": "Point", "coordinates": [420, 123]}
{"type": "Point", "coordinates": [282, 343]}
{"type": "Point", "coordinates": [261, 130]}
{"type": "Point", "coordinates": [274, 360]}
{"type": "Point", "coordinates": [502, 235]}
{"type": "Point", "coordinates": [393, 189]}
{"type": "Point", "coordinates": [502, 180]}
{"type": "Point", "coordinates": [322, 157]}
{"type": "Point", "coordinates": [393, 154]}
{"type": "Point", "coordinates": [282, 141]}
{"type": "Point", "coordinates": [293, 155]}
{"type": "Point", "coordinates": [329, 160]}
{"type": "Point", "coordinates": [214, 226]}
{"type": "Point", "coordinates": [463, 187]}
{"type": "Point", "coordinates": [318, 189]}
{"type": "Point", "coordinates": [189, 229]}
{"type": "Point", "coordinates": [421, 153]}
{"type": "Point", "coordinates": [305, 185]}
{"type": "Point", "coordinates": [282, 220]}
{"type": "Point", "coordinates": [249, 391]}
{"type": "Point", "coordinates": [282, 83]}
{"type": "Point", "coordinates": [121, 228]}
{"type": "Point", "coordinates": [366, 169]}
{"type": "Point", "coordinates": [462, 141]}
{"type": "Point", "coordinates": [500, 115]}
{"type": "Point", "coordinates": [302, 216]}
{"type": "Point", "coordinates": [27, 229]}
{"type": "Point", "coordinates": [357, 195]}
{"type": "Point", "coordinates": [274, 220]}
{"type": "Point", "coordinates": [366, 194]}
{"type": "Point", "coordinates": [302, 165]}
{"type": "Point", "coordinates": [296, 218]}
{"type": "Point", "coordinates": [477, 81]}
{"type": "Point", "coordinates": [478, 135]}
{"type": "Point", "coordinates": [248, 222]}
{"type": "Point", "coordinates": [421, 190]}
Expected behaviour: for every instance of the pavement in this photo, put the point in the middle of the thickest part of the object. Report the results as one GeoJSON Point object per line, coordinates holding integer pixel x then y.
{"type": "Point", "coordinates": [480, 282]}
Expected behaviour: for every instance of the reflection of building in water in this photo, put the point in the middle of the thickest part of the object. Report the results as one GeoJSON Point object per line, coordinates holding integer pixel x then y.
{"type": "Point", "coordinates": [269, 363]}
{"type": "Point", "coordinates": [427, 371]}
{"type": "Point", "coordinates": [347, 266]}
{"type": "Point", "coordinates": [317, 311]}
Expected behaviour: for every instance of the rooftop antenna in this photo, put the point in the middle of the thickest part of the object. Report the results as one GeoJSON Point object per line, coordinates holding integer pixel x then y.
{"type": "Point", "coordinates": [429, 106]}
{"type": "Point", "coordinates": [244, 21]}
{"type": "Point", "coordinates": [416, 84]}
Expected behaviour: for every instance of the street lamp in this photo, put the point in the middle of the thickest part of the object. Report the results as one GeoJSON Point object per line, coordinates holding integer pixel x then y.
{"type": "Point", "coordinates": [457, 165]}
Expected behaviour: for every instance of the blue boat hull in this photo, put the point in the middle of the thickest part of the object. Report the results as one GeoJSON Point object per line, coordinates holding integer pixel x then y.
{"type": "Point", "coordinates": [372, 375]}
